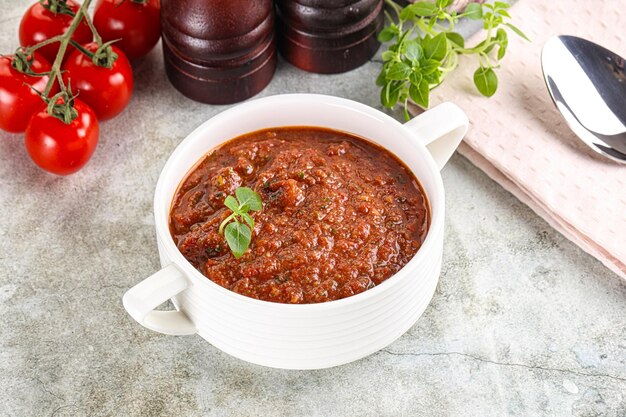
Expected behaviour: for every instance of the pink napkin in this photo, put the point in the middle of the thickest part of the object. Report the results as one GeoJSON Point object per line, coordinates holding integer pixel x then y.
{"type": "Point", "coordinates": [520, 140]}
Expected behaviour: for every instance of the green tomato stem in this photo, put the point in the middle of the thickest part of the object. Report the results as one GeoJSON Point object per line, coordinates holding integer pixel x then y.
{"type": "Point", "coordinates": [64, 40]}
{"type": "Point", "coordinates": [93, 29]}
{"type": "Point", "coordinates": [54, 39]}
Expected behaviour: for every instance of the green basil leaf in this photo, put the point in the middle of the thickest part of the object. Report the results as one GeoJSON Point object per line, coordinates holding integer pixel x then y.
{"type": "Point", "coordinates": [398, 71]}
{"type": "Point", "coordinates": [436, 48]}
{"type": "Point", "coordinates": [456, 38]}
{"type": "Point", "coordinates": [381, 79]}
{"type": "Point", "coordinates": [433, 78]}
{"type": "Point", "coordinates": [474, 11]}
{"type": "Point", "coordinates": [388, 55]}
{"type": "Point", "coordinates": [247, 197]}
{"type": "Point", "coordinates": [232, 204]}
{"type": "Point", "coordinates": [504, 13]}
{"type": "Point", "coordinates": [501, 5]}
{"type": "Point", "coordinates": [420, 93]}
{"type": "Point", "coordinates": [238, 237]}
{"type": "Point", "coordinates": [248, 219]}
{"type": "Point", "coordinates": [387, 34]}
{"type": "Point", "coordinates": [429, 66]}
{"type": "Point", "coordinates": [407, 14]}
{"type": "Point", "coordinates": [442, 4]}
{"type": "Point", "coordinates": [390, 93]}
{"type": "Point", "coordinates": [413, 50]}
{"type": "Point", "coordinates": [489, 48]}
{"type": "Point", "coordinates": [486, 81]}
{"type": "Point", "coordinates": [416, 76]}
{"type": "Point", "coordinates": [517, 31]}
{"type": "Point", "coordinates": [502, 36]}
{"type": "Point", "coordinates": [501, 52]}
{"type": "Point", "coordinates": [385, 94]}
{"type": "Point", "coordinates": [503, 41]}
{"type": "Point", "coordinates": [424, 8]}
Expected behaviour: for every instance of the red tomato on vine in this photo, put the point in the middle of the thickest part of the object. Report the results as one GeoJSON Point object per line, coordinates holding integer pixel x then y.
{"type": "Point", "coordinates": [59, 147]}
{"type": "Point", "coordinates": [18, 101]}
{"type": "Point", "coordinates": [40, 24]}
{"type": "Point", "coordinates": [136, 23]}
{"type": "Point", "coordinates": [107, 90]}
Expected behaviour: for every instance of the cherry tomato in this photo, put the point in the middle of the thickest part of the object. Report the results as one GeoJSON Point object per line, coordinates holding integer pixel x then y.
{"type": "Point", "coordinates": [136, 23]}
{"type": "Point", "coordinates": [39, 24]}
{"type": "Point", "coordinates": [62, 148]}
{"type": "Point", "coordinates": [18, 102]}
{"type": "Point", "coordinates": [106, 90]}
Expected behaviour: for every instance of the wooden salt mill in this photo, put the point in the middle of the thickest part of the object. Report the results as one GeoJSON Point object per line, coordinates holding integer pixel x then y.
{"type": "Point", "coordinates": [328, 36]}
{"type": "Point", "coordinates": [218, 51]}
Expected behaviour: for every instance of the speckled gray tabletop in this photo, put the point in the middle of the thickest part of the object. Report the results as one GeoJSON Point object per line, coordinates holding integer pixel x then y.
{"type": "Point", "coordinates": [523, 322]}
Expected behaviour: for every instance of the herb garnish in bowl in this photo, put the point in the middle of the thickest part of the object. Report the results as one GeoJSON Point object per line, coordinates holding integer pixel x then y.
{"type": "Point", "coordinates": [238, 234]}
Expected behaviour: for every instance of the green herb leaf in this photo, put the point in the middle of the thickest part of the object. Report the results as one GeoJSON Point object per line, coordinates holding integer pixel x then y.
{"type": "Point", "coordinates": [473, 11]}
{"type": "Point", "coordinates": [503, 40]}
{"type": "Point", "coordinates": [517, 31]}
{"type": "Point", "coordinates": [420, 93]}
{"type": "Point", "coordinates": [456, 38]}
{"type": "Point", "coordinates": [386, 34]}
{"type": "Point", "coordinates": [238, 237]}
{"type": "Point", "coordinates": [382, 78]}
{"type": "Point", "coordinates": [398, 71]}
{"type": "Point", "coordinates": [407, 14]}
{"type": "Point", "coordinates": [238, 234]}
{"type": "Point", "coordinates": [248, 219]}
{"type": "Point", "coordinates": [247, 197]}
{"type": "Point", "coordinates": [486, 81]}
{"type": "Point", "coordinates": [504, 13]}
{"type": "Point", "coordinates": [442, 4]}
{"type": "Point", "coordinates": [423, 8]}
{"type": "Point", "coordinates": [231, 203]}
{"type": "Point", "coordinates": [416, 76]}
{"type": "Point", "coordinates": [430, 66]}
{"type": "Point", "coordinates": [501, 5]}
{"type": "Point", "coordinates": [412, 50]}
{"type": "Point", "coordinates": [436, 48]}
{"type": "Point", "coordinates": [391, 93]}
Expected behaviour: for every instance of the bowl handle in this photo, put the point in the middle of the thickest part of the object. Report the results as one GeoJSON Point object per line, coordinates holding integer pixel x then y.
{"type": "Point", "coordinates": [141, 300]}
{"type": "Point", "coordinates": [441, 129]}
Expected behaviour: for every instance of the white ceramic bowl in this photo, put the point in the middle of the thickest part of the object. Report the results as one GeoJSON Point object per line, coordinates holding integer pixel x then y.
{"type": "Point", "coordinates": [302, 336]}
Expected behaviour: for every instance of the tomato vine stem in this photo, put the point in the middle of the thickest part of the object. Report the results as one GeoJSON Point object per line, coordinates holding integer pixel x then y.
{"type": "Point", "coordinates": [55, 71]}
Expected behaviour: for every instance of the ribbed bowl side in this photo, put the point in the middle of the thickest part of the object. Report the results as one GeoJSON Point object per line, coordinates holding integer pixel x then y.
{"type": "Point", "coordinates": [282, 336]}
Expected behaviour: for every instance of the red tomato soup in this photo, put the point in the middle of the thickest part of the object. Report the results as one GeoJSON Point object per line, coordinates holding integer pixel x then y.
{"type": "Point", "coordinates": [340, 215]}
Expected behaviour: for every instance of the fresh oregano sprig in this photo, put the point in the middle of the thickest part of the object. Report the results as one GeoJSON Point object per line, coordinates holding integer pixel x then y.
{"type": "Point", "coordinates": [425, 48]}
{"type": "Point", "coordinates": [234, 228]}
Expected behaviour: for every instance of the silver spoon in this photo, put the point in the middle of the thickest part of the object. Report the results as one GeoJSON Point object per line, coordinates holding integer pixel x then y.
{"type": "Point", "coordinates": [588, 85]}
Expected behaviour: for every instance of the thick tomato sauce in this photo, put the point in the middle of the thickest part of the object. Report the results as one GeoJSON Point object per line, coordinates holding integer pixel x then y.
{"type": "Point", "coordinates": [340, 215]}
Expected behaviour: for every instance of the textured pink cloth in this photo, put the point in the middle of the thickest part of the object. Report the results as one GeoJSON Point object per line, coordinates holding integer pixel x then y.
{"type": "Point", "coordinates": [521, 141]}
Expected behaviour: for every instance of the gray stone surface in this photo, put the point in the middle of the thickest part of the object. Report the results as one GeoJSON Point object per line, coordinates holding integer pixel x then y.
{"type": "Point", "coordinates": [523, 322]}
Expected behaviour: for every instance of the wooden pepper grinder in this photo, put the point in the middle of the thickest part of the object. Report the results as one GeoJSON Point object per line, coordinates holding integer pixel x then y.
{"type": "Point", "coordinates": [328, 36]}
{"type": "Point", "coordinates": [218, 51]}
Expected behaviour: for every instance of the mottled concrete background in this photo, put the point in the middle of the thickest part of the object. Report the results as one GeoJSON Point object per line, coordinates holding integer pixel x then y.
{"type": "Point", "coordinates": [523, 322]}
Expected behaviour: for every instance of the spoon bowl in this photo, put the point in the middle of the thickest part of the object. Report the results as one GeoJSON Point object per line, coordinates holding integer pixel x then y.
{"type": "Point", "coordinates": [588, 86]}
